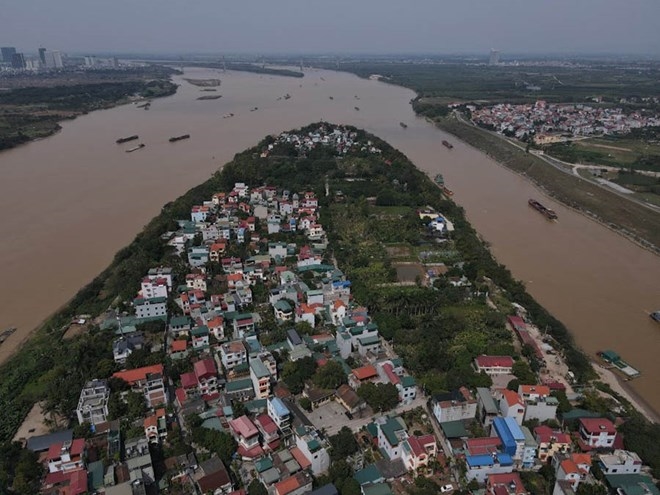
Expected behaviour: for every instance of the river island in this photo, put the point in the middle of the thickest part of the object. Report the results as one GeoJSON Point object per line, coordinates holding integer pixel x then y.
{"type": "Point", "coordinates": [315, 283]}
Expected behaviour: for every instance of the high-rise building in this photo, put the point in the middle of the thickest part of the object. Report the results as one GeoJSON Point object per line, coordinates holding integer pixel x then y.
{"type": "Point", "coordinates": [90, 61]}
{"type": "Point", "coordinates": [494, 57]}
{"type": "Point", "coordinates": [18, 61]}
{"type": "Point", "coordinates": [7, 53]}
{"type": "Point", "coordinates": [54, 59]}
{"type": "Point", "coordinates": [42, 56]}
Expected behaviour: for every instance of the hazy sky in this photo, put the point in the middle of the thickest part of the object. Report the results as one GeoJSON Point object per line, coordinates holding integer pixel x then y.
{"type": "Point", "coordinates": [362, 26]}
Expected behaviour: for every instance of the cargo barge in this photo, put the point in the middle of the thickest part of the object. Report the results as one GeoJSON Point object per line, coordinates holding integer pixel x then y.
{"type": "Point", "coordinates": [138, 147]}
{"type": "Point", "coordinates": [179, 138]}
{"type": "Point", "coordinates": [127, 139]}
{"type": "Point", "coordinates": [547, 212]}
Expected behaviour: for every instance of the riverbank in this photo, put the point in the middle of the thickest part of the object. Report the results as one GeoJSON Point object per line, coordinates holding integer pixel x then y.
{"type": "Point", "coordinates": [34, 112]}
{"type": "Point", "coordinates": [635, 222]}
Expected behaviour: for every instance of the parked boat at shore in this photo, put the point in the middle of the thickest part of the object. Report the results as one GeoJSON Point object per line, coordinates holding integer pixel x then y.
{"type": "Point", "coordinates": [6, 333]}
{"type": "Point", "coordinates": [547, 212]}
{"type": "Point", "coordinates": [619, 364]}
{"type": "Point", "coordinates": [655, 316]}
{"type": "Point", "coordinates": [138, 147]}
{"type": "Point", "coordinates": [127, 139]}
{"type": "Point", "coordinates": [447, 144]}
{"type": "Point", "coordinates": [179, 138]}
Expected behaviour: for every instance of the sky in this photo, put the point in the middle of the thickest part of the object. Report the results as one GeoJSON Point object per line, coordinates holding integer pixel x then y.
{"type": "Point", "coordinates": [333, 26]}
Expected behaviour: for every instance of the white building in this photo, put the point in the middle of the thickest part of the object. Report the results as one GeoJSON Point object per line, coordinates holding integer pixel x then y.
{"type": "Point", "coordinates": [620, 462]}
{"type": "Point", "coordinates": [150, 308]}
{"type": "Point", "coordinates": [232, 354]}
{"type": "Point", "coordinates": [314, 448]}
{"type": "Point", "coordinates": [93, 403]}
{"type": "Point", "coordinates": [456, 406]}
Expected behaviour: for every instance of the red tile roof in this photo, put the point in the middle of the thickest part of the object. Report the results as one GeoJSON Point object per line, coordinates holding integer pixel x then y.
{"type": "Point", "coordinates": [287, 486]}
{"type": "Point", "coordinates": [545, 434]}
{"type": "Point", "coordinates": [244, 427]}
{"type": "Point", "coordinates": [266, 423]}
{"type": "Point", "coordinates": [494, 361]}
{"type": "Point", "coordinates": [541, 390]}
{"type": "Point", "coordinates": [391, 376]}
{"type": "Point", "coordinates": [597, 425]}
{"type": "Point", "coordinates": [365, 372]}
{"type": "Point", "coordinates": [179, 345]}
{"type": "Point", "coordinates": [511, 397]}
{"type": "Point", "coordinates": [300, 457]}
{"type": "Point", "coordinates": [205, 368]}
{"type": "Point", "coordinates": [484, 445]}
{"type": "Point", "coordinates": [213, 481]}
{"type": "Point", "coordinates": [189, 380]}
{"type": "Point", "coordinates": [138, 374]}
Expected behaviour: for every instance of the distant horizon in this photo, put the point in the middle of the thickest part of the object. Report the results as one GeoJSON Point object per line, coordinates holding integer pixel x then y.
{"type": "Point", "coordinates": [344, 26]}
{"type": "Point", "coordinates": [504, 56]}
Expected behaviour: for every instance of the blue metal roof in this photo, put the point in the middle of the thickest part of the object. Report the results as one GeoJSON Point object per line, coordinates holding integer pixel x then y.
{"type": "Point", "coordinates": [505, 435]}
{"type": "Point", "coordinates": [479, 460]}
{"type": "Point", "coordinates": [279, 407]}
{"type": "Point", "coordinates": [514, 429]}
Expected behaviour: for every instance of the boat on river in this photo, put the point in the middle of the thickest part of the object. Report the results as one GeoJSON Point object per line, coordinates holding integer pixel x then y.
{"type": "Point", "coordinates": [138, 147]}
{"type": "Point", "coordinates": [127, 139]}
{"type": "Point", "coordinates": [6, 333]}
{"type": "Point", "coordinates": [447, 144]}
{"type": "Point", "coordinates": [655, 316]}
{"type": "Point", "coordinates": [357, 108]}
{"type": "Point", "coordinates": [179, 138]}
{"type": "Point", "coordinates": [545, 211]}
{"type": "Point", "coordinates": [404, 125]}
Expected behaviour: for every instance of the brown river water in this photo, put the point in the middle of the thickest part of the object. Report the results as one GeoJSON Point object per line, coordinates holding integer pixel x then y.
{"type": "Point", "coordinates": [69, 202]}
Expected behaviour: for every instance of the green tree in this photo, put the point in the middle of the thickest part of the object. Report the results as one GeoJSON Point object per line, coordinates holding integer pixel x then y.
{"type": "Point", "coordinates": [350, 486]}
{"type": "Point", "coordinates": [591, 489]}
{"type": "Point", "coordinates": [381, 397]}
{"type": "Point", "coordinates": [523, 372]}
{"type": "Point", "coordinates": [256, 488]}
{"type": "Point", "coordinates": [343, 444]}
{"type": "Point", "coordinates": [330, 376]}
{"type": "Point", "coordinates": [296, 373]}
{"type": "Point", "coordinates": [305, 403]}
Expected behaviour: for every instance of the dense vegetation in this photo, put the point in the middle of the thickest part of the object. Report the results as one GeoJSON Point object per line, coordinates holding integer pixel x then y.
{"type": "Point", "coordinates": [447, 82]}
{"type": "Point", "coordinates": [30, 112]}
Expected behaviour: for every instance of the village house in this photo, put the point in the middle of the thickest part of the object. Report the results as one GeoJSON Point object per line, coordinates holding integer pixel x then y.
{"type": "Point", "coordinates": [233, 354]}
{"type": "Point", "coordinates": [596, 433]}
{"type": "Point", "coordinates": [66, 456]}
{"type": "Point", "coordinates": [93, 403]}
{"type": "Point", "coordinates": [150, 308]}
{"type": "Point", "coordinates": [494, 365]}
{"type": "Point", "coordinates": [456, 406]}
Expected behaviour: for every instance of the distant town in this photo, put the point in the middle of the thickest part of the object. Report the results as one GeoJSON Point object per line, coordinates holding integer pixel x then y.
{"type": "Point", "coordinates": [47, 60]}
{"type": "Point", "coordinates": [546, 123]}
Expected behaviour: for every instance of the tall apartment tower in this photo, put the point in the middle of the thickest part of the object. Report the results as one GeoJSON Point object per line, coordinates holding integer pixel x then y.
{"type": "Point", "coordinates": [18, 61]}
{"type": "Point", "coordinates": [8, 53]}
{"type": "Point", "coordinates": [42, 56]}
{"type": "Point", "coordinates": [494, 57]}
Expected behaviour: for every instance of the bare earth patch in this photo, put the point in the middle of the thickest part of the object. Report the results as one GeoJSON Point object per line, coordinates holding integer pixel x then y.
{"type": "Point", "coordinates": [33, 424]}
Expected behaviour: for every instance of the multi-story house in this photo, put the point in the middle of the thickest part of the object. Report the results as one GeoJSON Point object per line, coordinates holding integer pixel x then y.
{"type": "Point", "coordinates": [260, 377]}
{"type": "Point", "coordinates": [279, 413]}
{"type": "Point", "coordinates": [232, 354]}
{"type": "Point", "coordinates": [206, 375]}
{"type": "Point", "coordinates": [93, 403]}
{"type": "Point", "coordinates": [597, 432]}
{"type": "Point", "coordinates": [551, 442]}
{"type": "Point", "coordinates": [512, 406]}
{"type": "Point", "coordinates": [620, 462]}
{"type": "Point", "coordinates": [154, 287]}
{"type": "Point", "coordinates": [150, 308]}
{"type": "Point", "coordinates": [314, 447]}
{"type": "Point", "coordinates": [456, 406]}
{"type": "Point", "coordinates": [66, 456]}
{"type": "Point", "coordinates": [247, 437]}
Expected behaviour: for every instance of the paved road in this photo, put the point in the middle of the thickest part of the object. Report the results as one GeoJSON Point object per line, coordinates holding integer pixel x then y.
{"type": "Point", "coordinates": [560, 165]}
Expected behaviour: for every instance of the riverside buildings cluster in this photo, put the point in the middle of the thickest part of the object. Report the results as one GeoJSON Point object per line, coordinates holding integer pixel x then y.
{"type": "Point", "coordinates": [255, 301]}
{"type": "Point", "coordinates": [551, 122]}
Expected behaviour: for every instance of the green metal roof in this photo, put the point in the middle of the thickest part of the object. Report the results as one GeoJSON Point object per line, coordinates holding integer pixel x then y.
{"type": "Point", "coordinates": [200, 331]}
{"type": "Point", "coordinates": [407, 381]}
{"type": "Point", "coordinates": [373, 339]}
{"type": "Point", "coordinates": [454, 429]}
{"type": "Point", "coordinates": [313, 445]}
{"type": "Point", "coordinates": [178, 321]}
{"type": "Point", "coordinates": [377, 489]}
{"type": "Point", "coordinates": [633, 484]}
{"type": "Point", "coordinates": [369, 474]}
{"type": "Point", "coordinates": [237, 385]}
{"type": "Point", "coordinates": [389, 429]}
{"type": "Point", "coordinates": [262, 464]}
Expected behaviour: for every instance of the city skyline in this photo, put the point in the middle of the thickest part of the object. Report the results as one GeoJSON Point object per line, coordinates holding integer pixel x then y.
{"type": "Point", "coordinates": [370, 27]}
